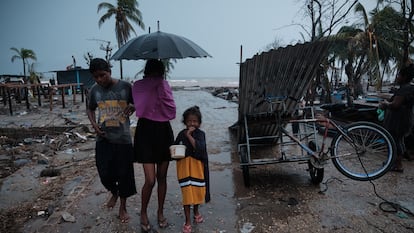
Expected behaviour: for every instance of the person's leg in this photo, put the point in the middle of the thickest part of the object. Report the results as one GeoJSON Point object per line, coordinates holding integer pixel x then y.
{"type": "Point", "coordinates": [187, 224]}
{"type": "Point", "coordinates": [162, 169]}
{"type": "Point", "coordinates": [149, 171]}
{"type": "Point", "coordinates": [126, 179]}
{"type": "Point", "coordinates": [112, 201]}
{"type": "Point", "coordinates": [198, 218]}
{"type": "Point", "coordinates": [126, 176]}
{"type": "Point", "coordinates": [104, 162]}
{"type": "Point", "coordinates": [195, 210]}
{"type": "Point", "coordinates": [123, 214]}
{"type": "Point", "coordinates": [398, 167]}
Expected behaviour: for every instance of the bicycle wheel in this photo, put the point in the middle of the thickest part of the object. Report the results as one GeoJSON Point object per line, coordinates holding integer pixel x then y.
{"type": "Point", "coordinates": [366, 154]}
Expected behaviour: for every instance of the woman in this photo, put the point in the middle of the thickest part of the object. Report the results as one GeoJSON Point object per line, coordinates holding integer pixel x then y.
{"type": "Point", "coordinates": [155, 107]}
{"type": "Point", "coordinates": [398, 119]}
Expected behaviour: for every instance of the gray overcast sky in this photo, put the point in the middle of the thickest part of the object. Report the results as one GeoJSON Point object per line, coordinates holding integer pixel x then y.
{"type": "Point", "coordinates": [57, 29]}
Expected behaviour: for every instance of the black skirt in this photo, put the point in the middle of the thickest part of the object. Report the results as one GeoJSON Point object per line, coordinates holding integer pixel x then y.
{"type": "Point", "coordinates": [152, 141]}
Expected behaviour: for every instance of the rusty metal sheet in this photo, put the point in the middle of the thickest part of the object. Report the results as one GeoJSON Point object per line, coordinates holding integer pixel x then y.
{"type": "Point", "coordinates": [281, 73]}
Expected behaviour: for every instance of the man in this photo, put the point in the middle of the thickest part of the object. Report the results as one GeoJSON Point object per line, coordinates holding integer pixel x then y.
{"type": "Point", "coordinates": [113, 152]}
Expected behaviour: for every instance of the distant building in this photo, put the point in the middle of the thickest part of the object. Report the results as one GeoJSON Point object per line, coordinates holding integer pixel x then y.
{"type": "Point", "coordinates": [12, 78]}
{"type": "Point", "coordinates": [78, 75]}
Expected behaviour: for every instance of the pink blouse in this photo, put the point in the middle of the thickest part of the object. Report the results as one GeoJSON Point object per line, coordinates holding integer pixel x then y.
{"type": "Point", "coordinates": [153, 99]}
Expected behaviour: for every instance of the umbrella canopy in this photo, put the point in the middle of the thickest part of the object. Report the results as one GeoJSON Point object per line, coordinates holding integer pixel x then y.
{"type": "Point", "coordinates": [159, 45]}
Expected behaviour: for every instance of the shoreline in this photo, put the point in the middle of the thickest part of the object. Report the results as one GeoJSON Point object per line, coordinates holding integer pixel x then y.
{"type": "Point", "coordinates": [230, 93]}
{"type": "Point", "coordinates": [225, 92]}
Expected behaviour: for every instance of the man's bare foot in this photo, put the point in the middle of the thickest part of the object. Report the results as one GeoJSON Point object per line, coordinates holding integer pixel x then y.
{"type": "Point", "coordinates": [111, 203]}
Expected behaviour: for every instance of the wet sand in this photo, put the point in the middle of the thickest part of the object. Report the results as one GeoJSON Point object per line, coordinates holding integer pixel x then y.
{"type": "Point", "coordinates": [281, 197]}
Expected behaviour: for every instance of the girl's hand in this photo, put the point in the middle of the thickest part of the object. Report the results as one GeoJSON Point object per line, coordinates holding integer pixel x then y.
{"type": "Point", "coordinates": [188, 134]}
{"type": "Point", "coordinates": [190, 130]}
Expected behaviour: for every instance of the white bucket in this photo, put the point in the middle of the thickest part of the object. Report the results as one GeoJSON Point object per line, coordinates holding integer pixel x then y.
{"type": "Point", "coordinates": [177, 151]}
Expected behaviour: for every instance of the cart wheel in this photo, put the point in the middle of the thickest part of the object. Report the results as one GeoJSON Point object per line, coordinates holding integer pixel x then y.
{"type": "Point", "coordinates": [316, 172]}
{"type": "Point", "coordinates": [245, 168]}
{"type": "Point", "coordinates": [246, 175]}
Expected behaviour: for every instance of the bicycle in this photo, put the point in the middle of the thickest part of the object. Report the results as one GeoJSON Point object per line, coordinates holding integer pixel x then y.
{"type": "Point", "coordinates": [361, 150]}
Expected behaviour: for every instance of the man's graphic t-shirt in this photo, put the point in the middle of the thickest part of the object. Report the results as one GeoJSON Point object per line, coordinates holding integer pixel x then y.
{"type": "Point", "coordinates": [110, 103]}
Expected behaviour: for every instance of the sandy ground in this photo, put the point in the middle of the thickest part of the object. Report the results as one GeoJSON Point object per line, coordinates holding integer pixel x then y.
{"type": "Point", "coordinates": [281, 197]}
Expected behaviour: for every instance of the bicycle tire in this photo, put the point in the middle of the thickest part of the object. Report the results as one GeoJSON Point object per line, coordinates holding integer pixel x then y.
{"type": "Point", "coordinates": [369, 156]}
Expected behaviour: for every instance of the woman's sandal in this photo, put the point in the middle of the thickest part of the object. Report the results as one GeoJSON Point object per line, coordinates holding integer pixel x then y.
{"type": "Point", "coordinates": [146, 227]}
{"type": "Point", "coordinates": [198, 218]}
{"type": "Point", "coordinates": [187, 228]}
{"type": "Point", "coordinates": [162, 223]}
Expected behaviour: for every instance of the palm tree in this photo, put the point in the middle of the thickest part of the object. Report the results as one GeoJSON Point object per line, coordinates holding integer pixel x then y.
{"type": "Point", "coordinates": [407, 29]}
{"type": "Point", "coordinates": [370, 49]}
{"type": "Point", "coordinates": [369, 42]}
{"type": "Point", "coordinates": [388, 25]}
{"type": "Point", "coordinates": [124, 12]}
{"type": "Point", "coordinates": [23, 54]}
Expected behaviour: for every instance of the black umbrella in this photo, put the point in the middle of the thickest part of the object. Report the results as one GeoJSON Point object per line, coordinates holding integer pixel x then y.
{"type": "Point", "coordinates": [159, 45]}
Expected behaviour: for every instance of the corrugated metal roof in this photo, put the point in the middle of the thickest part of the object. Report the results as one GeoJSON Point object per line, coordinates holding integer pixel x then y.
{"type": "Point", "coordinates": [281, 73]}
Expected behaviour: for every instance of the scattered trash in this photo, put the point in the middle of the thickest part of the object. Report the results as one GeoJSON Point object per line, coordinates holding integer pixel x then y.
{"type": "Point", "coordinates": [402, 214]}
{"type": "Point", "coordinates": [28, 141]}
{"type": "Point", "coordinates": [292, 201]}
{"type": "Point", "coordinates": [41, 213]}
{"type": "Point", "coordinates": [46, 181]}
{"type": "Point", "coordinates": [43, 161]}
{"type": "Point", "coordinates": [21, 162]}
{"type": "Point", "coordinates": [50, 172]}
{"type": "Point", "coordinates": [41, 158]}
{"type": "Point", "coordinates": [71, 150]}
{"type": "Point", "coordinates": [50, 209]}
{"type": "Point", "coordinates": [247, 227]}
{"type": "Point", "coordinates": [80, 136]}
{"type": "Point", "coordinates": [68, 217]}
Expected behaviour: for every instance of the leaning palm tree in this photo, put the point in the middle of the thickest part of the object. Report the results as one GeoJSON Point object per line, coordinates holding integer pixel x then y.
{"type": "Point", "coordinates": [371, 42]}
{"type": "Point", "coordinates": [388, 26]}
{"type": "Point", "coordinates": [124, 12]}
{"type": "Point", "coordinates": [23, 54]}
{"type": "Point", "coordinates": [369, 49]}
{"type": "Point", "coordinates": [385, 36]}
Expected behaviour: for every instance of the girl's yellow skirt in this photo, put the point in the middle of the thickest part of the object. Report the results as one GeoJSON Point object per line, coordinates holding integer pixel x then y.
{"type": "Point", "coordinates": [190, 174]}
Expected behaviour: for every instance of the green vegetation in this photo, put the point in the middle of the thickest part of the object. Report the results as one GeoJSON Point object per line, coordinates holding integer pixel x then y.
{"type": "Point", "coordinates": [23, 54]}
{"type": "Point", "coordinates": [124, 12]}
{"type": "Point", "coordinates": [376, 44]}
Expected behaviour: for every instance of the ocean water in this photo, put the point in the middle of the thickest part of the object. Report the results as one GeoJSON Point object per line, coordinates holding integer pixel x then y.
{"type": "Point", "coordinates": [204, 81]}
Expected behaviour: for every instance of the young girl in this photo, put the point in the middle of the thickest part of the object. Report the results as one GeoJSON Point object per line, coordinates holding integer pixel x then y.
{"type": "Point", "coordinates": [192, 171]}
